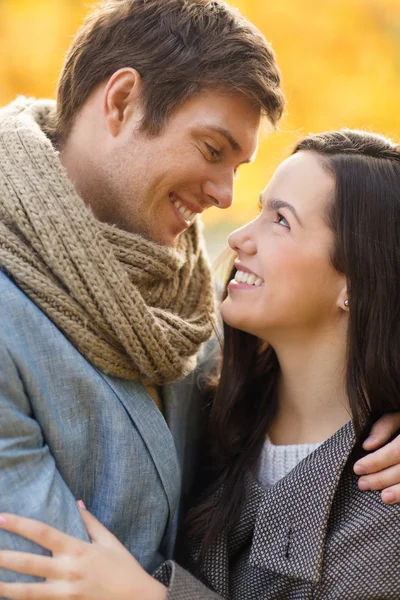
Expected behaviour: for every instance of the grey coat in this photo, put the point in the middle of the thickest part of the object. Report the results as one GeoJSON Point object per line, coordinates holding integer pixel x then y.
{"type": "Point", "coordinates": [68, 431]}
{"type": "Point", "coordinates": [313, 536]}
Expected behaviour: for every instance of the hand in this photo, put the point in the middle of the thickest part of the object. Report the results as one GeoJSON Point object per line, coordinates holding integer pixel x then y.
{"type": "Point", "coordinates": [381, 469]}
{"type": "Point", "coordinates": [101, 570]}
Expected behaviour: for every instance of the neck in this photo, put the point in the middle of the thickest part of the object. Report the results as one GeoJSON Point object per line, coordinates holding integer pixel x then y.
{"type": "Point", "coordinates": [77, 161]}
{"type": "Point", "coordinates": [312, 398]}
{"type": "Point", "coordinates": [73, 160]}
{"type": "Point", "coordinates": [79, 154]}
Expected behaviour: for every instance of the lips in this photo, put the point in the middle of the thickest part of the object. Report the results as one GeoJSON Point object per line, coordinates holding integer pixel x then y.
{"type": "Point", "coordinates": [249, 278]}
{"type": "Point", "coordinates": [186, 213]}
{"type": "Point", "coordinates": [245, 275]}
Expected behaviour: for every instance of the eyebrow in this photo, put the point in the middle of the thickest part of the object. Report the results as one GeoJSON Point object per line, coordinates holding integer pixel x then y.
{"type": "Point", "coordinates": [277, 204]}
{"type": "Point", "coordinates": [234, 144]}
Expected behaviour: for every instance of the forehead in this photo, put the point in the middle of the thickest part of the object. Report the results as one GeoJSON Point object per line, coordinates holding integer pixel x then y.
{"type": "Point", "coordinates": [214, 110]}
{"type": "Point", "coordinates": [302, 181]}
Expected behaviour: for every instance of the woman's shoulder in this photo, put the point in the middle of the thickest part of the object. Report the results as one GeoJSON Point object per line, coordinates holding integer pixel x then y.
{"type": "Point", "coordinates": [361, 551]}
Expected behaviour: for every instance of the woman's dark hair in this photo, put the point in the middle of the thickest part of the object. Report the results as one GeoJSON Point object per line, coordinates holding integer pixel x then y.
{"type": "Point", "coordinates": [365, 218]}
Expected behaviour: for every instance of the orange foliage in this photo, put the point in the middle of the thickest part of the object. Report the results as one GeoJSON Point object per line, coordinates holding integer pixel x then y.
{"type": "Point", "coordinates": [340, 61]}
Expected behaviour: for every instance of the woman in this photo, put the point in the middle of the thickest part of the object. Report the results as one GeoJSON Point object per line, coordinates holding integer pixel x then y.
{"type": "Point", "coordinates": [312, 339]}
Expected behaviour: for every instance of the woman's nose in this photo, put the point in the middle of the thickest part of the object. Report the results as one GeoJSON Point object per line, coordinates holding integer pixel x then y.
{"type": "Point", "coordinates": [241, 240]}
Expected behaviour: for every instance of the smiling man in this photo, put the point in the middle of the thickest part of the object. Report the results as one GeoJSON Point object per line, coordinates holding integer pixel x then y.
{"type": "Point", "coordinates": [105, 293]}
{"type": "Point", "coordinates": [155, 185]}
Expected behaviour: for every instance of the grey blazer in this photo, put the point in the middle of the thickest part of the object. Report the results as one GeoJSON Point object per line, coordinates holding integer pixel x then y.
{"type": "Point", "coordinates": [312, 536]}
{"type": "Point", "coordinates": [68, 431]}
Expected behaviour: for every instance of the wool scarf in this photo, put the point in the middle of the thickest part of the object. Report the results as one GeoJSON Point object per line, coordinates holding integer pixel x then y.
{"type": "Point", "coordinates": [134, 308]}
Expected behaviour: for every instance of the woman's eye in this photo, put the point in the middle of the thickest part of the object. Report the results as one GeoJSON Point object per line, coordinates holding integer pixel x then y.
{"type": "Point", "coordinates": [215, 154]}
{"type": "Point", "coordinates": [280, 220]}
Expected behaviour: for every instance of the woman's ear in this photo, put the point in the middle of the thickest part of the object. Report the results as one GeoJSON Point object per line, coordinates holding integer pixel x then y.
{"type": "Point", "coordinates": [343, 301]}
{"type": "Point", "coordinates": [122, 100]}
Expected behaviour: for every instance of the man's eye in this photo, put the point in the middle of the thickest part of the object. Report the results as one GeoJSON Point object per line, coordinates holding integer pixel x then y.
{"type": "Point", "coordinates": [280, 220]}
{"type": "Point", "coordinates": [215, 154]}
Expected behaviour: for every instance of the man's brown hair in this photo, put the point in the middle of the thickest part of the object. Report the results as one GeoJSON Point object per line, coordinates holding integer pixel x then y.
{"type": "Point", "coordinates": [179, 47]}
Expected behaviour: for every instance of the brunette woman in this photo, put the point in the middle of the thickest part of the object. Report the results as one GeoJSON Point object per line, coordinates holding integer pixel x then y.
{"type": "Point", "coordinates": [311, 360]}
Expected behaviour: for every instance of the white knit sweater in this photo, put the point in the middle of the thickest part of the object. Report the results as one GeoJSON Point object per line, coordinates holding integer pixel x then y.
{"type": "Point", "coordinates": [278, 461]}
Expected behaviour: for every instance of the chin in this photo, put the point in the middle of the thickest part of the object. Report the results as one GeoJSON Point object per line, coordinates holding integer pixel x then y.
{"type": "Point", "coordinates": [241, 326]}
{"type": "Point", "coordinates": [237, 320]}
{"type": "Point", "coordinates": [165, 237]}
{"type": "Point", "coordinates": [159, 237]}
{"type": "Point", "coordinates": [173, 242]}
{"type": "Point", "coordinates": [169, 242]}
{"type": "Point", "coordinates": [231, 317]}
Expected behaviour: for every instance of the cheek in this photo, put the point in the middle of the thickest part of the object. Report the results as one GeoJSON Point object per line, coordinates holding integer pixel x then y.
{"type": "Point", "coordinates": [293, 270]}
{"type": "Point", "coordinates": [306, 293]}
{"type": "Point", "coordinates": [183, 174]}
{"type": "Point", "coordinates": [299, 291]}
{"type": "Point", "coordinates": [280, 267]}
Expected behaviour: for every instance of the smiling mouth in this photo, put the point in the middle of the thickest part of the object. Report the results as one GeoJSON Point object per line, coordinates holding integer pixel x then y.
{"type": "Point", "coordinates": [187, 214]}
{"type": "Point", "coordinates": [248, 278]}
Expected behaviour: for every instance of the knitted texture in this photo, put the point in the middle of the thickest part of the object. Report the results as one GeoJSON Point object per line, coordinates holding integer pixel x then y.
{"type": "Point", "coordinates": [277, 461]}
{"type": "Point", "coordinates": [135, 309]}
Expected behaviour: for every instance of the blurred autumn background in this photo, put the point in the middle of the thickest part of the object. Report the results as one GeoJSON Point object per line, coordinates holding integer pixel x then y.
{"type": "Point", "coordinates": [340, 61]}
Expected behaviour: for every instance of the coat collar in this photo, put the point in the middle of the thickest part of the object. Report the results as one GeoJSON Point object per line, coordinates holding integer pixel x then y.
{"type": "Point", "coordinates": [285, 525]}
{"type": "Point", "coordinates": [292, 517]}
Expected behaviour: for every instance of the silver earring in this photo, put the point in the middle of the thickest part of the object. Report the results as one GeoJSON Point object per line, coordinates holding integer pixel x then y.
{"type": "Point", "coordinates": [346, 303]}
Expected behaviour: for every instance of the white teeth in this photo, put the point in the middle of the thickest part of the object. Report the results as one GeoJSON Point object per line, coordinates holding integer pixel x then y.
{"type": "Point", "coordinates": [249, 278]}
{"type": "Point", "coordinates": [185, 212]}
{"type": "Point", "coordinates": [238, 276]}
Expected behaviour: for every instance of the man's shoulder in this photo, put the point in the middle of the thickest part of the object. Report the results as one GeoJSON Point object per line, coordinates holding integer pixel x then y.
{"type": "Point", "coordinates": [21, 321]}
{"type": "Point", "coordinates": [13, 301]}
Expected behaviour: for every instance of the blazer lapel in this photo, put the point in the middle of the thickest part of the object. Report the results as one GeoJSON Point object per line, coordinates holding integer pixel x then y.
{"type": "Point", "coordinates": [154, 431]}
{"type": "Point", "coordinates": [293, 515]}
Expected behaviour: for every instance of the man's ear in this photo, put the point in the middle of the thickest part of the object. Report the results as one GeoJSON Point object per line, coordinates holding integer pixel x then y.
{"type": "Point", "coordinates": [343, 300]}
{"type": "Point", "coordinates": [122, 100]}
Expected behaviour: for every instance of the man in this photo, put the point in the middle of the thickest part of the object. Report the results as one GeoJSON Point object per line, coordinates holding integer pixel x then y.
{"type": "Point", "coordinates": [105, 293]}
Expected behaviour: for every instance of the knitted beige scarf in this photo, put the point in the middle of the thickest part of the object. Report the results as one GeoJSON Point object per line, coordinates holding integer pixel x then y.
{"type": "Point", "coordinates": [135, 309]}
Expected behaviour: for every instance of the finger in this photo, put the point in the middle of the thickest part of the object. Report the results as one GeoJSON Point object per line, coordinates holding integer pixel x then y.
{"type": "Point", "coordinates": [391, 495]}
{"type": "Point", "coordinates": [97, 532]}
{"type": "Point", "coordinates": [40, 533]}
{"type": "Point", "coordinates": [30, 591]}
{"type": "Point", "coordinates": [381, 480]}
{"type": "Point", "coordinates": [30, 564]}
{"type": "Point", "coordinates": [382, 431]}
{"type": "Point", "coordinates": [381, 459]}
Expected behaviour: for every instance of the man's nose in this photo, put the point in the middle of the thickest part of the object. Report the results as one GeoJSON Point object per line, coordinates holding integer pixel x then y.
{"type": "Point", "coordinates": [220, 193]}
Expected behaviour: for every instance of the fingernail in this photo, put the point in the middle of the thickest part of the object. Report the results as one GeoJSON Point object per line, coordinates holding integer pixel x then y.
{"type": "Point", "coordinates": [364, 485]}
{"type": "Point", "coordinates": [359, 469]}
{"type": "Point", "coordinates": [388, 497]}
{"type": "Point", "coordinates": [370, 439]}
{"type": "Point", "coordinates": [3, 520]}
{"type": "Point", "coordinates": [81, 504]}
